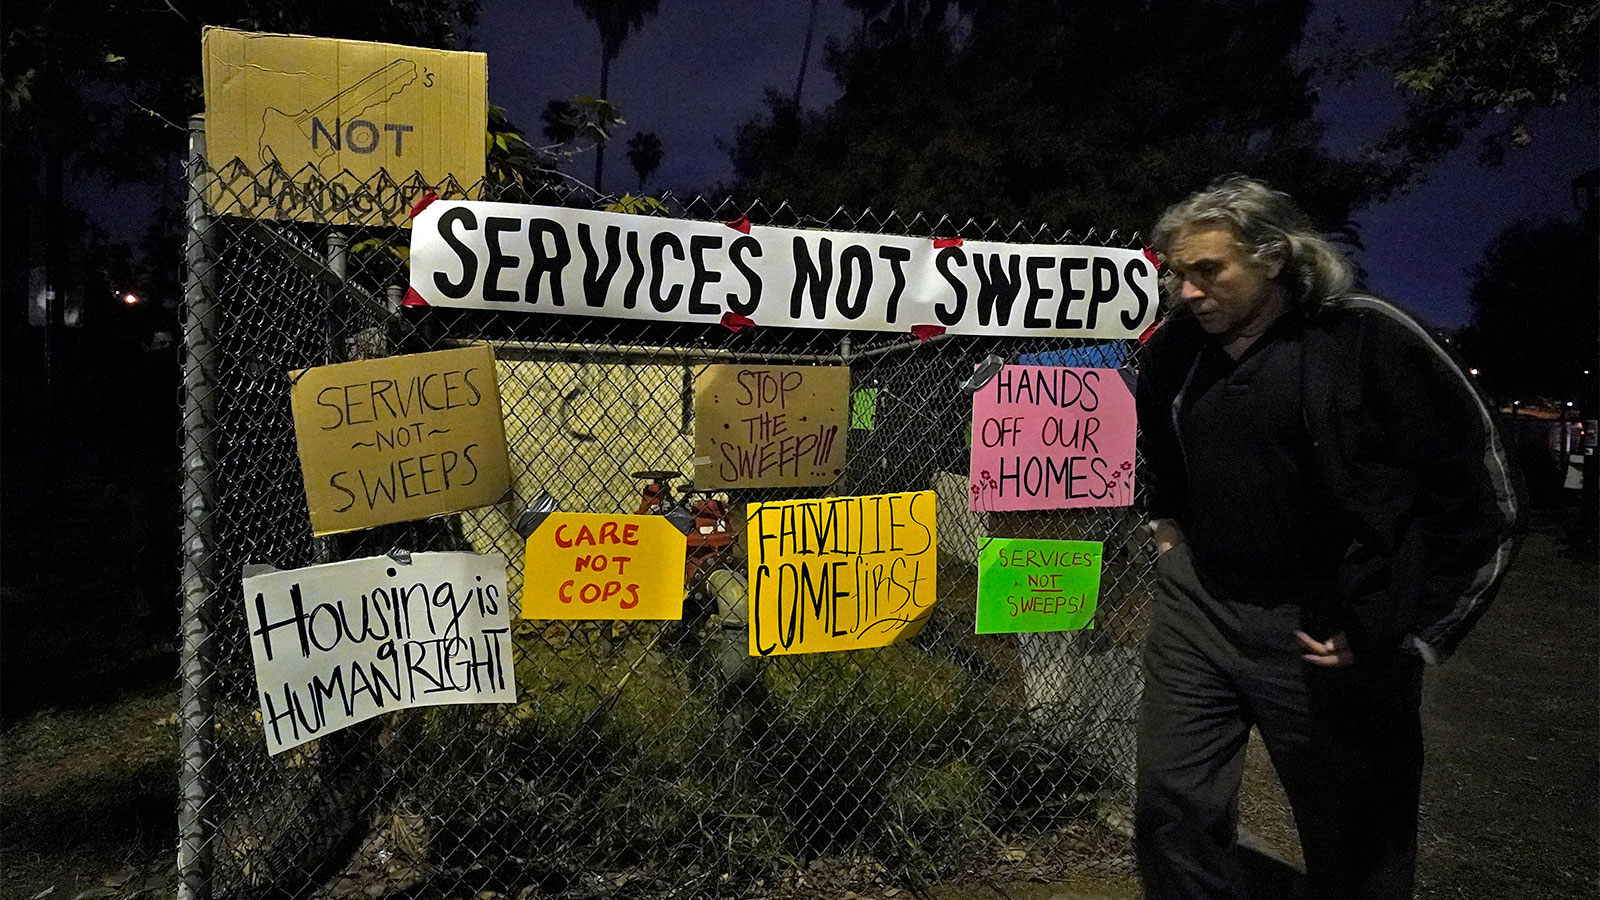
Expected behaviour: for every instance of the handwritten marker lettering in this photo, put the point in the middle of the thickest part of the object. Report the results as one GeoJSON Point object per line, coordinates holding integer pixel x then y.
{"type": "Point", "coordinates": [841, 573]}
{"type": "Point", "coordinates": [340, 643]}
{"type": "Point", "coordinates": [600, 566]}
{"type": "Point", "coordinates": [771, 426]}
{"type": "Point", "coordinates": [1052, 437]}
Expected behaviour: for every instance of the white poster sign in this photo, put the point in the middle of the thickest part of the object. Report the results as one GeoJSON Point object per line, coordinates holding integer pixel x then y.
{"type": "Point", "coordinates": [340, 643]}
{"type": "Point", "coordinates": [512, 257]}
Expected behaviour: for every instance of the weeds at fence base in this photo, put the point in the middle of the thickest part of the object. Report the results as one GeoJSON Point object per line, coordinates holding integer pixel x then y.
{"type": "Point", "coordinates": [609, 778]}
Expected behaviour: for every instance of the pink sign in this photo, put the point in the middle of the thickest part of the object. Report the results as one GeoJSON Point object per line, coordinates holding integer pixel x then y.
{"type": "Point", "coordinates": [1048, 437]}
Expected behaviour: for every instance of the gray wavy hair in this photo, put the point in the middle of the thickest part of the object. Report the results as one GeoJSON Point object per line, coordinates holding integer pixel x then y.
{"type": "Point", "coordinates": [1267, 225]}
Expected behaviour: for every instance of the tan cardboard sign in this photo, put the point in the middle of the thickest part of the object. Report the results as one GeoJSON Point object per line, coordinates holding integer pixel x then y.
{"type": "Point", "coordinates": [770, 426]}
{"type": "Point", "coordinates": [398, 439]}
{"type": "Point", "coordinates": [359, 129]}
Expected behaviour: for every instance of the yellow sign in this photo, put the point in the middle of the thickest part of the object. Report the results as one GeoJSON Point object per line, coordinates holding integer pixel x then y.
{"type": "Point", "coordinates": [397, 439]}
{"type": "Point", "coordinates": [597, 566]}
{"type": "Point", "coordinates": [841, 573]}
{"type": "Point", "coordinates": [346, 132]}
{"type": "Point", "coordinates": [770, 426]}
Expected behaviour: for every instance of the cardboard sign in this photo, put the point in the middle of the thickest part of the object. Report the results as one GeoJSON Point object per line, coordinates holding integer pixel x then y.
{"type": "Point", "coordinates": [340, 643]}
{"type": "Point", "coordinates": [397, 439]}
{"type": "Point", "coordinates": [1028, 585]}
{"type": "Point", "coordinates": [841, 573]}
{"type": "Point", "coordinates": [540, 259]}
{"type": "Point", "coordinates": [357, 130]}
{"type": "Point", "coordinates": [770, 426]}
{"type": "Point", "coordinates": [1052, 438]}
{"type": "Point", "coordinates": [596, 566]}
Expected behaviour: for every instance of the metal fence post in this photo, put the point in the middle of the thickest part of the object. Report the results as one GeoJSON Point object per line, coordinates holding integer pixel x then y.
{"type": "Point", "coordinates": [323, 549]}
{"type": "Point", "coordinates": [198, 498]}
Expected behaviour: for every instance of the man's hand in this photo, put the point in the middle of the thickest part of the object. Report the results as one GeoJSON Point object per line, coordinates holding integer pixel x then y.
{"type": "Point", "coordinates": [1334, 653]}
{"type": "Point", "coordinates": [1165, 534]}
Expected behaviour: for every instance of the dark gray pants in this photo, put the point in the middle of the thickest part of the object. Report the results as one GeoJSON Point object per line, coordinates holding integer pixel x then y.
{"type": "Point", "coordinates": [1346, 743]}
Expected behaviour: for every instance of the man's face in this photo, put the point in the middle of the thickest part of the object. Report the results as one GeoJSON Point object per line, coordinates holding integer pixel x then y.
{"type": "Point", "coordinates": [1228, 293]}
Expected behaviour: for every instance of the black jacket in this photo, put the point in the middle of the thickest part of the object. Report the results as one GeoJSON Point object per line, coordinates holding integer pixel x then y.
{"type": "Point", "coordinates": [1406, 448]}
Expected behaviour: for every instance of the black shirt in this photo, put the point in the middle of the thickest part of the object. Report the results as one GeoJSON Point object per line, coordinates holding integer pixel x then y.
{"type": "Point", "coordinates": [1257, 520]}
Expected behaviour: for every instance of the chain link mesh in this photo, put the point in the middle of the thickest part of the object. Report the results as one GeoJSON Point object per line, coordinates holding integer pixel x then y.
{"type": "Point", "coordinates": [642, 758]}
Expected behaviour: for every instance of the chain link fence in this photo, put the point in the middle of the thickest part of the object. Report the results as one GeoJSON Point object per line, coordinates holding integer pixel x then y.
{"type": "Point", "coordinates": [636, 762]}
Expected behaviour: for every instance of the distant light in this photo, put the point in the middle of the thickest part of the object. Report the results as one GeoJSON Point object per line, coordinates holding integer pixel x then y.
{"type": "Point", "coordinates": [1475, 372]}
{"type": "Point", "coordinates": [130, 299]}
{"type": "Point", "coordinates": [1516, 403]}
{"type": "Point", "coordinates": [1569, 402]}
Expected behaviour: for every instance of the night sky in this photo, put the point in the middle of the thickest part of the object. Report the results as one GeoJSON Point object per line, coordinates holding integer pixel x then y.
{"type": "Point", "coordinates": [698, 70]}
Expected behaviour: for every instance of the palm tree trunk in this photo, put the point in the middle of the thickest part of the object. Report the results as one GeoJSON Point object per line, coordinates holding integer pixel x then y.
{"type": "Point", "coordinates": [600, 148]}
{"type": "Point", "coordinates": [805, 53]}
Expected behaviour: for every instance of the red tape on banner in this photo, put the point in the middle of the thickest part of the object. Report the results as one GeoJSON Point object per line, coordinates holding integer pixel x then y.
{"type": "Point", "coordinates": [741, 224]}
{"type": "Point", "coordinates": [1145, 337]}
{"type": "Point", "coordinates": [1150, 254]}
{"type": "Point", "coordinates": [924, 332]}
{"type": "Point", "coordinates": [941, 243]}
{"type": "Point", "coordinates": [422, 203]}
{"type": "Point", "coordinates": [413, 298]}
{"type": "Point", "coordinates": [736, 323]}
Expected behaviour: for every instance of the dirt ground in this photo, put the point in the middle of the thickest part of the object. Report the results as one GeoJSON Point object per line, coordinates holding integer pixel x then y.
{"type": "Point", "coordinates": [1511, 791]}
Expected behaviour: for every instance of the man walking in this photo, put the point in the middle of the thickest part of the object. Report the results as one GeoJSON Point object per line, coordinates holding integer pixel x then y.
{"type": "Point", "coordinates": [1332, 509]}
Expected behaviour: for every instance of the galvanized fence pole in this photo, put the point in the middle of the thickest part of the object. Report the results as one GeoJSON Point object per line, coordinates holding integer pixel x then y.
{"type": "Point", "coordinates": [198, 538]}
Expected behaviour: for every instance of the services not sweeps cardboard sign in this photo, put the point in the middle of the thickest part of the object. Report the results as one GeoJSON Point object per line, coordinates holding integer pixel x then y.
{"type": "Point", "coordinates": [358, 131]}
{"type": "Point", "coordinates": [399, 439]}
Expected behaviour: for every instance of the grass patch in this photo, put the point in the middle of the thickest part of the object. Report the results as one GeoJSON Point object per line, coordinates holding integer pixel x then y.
{"type": "Point", "coordinates": [89, 797]}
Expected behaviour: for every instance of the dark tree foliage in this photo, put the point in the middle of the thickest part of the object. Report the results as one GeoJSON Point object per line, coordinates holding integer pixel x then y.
{"type": "Point", "coordinates": [1462, 64]}
{"type": "Point", "coordinates": [1074, 113]}
{"type": "Point", "coordinates": [1535, 298]}
{"type": "Point", "coordinates": [645, 154]}
{"type": "Point", "coordinates": [616, 20]}
{"type": "Point", "coordinates": [109, 85]}
{"type": "Point", "coordinates": [103, 91]}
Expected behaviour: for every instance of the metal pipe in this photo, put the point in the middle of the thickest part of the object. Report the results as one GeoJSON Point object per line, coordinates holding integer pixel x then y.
{"type": "Point", "coordinates": [896, 348]}
{"type": "Point", "coordinates": [555, 350]}
{"type": "Point", "coordinates": [198, 498]}
{"type": "Point", "coordinates": [338, 256]}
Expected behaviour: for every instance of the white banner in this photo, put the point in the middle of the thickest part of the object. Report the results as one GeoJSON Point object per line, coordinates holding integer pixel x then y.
{"type": "Point", "coordinates": [340, 643]}
{"type": "Point", "coordinates": [513, 257]}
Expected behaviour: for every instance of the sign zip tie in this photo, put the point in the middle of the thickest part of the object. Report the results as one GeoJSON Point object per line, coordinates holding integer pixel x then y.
{"type": "Point", "coordinates": [984, 373]}
{"type": "Point", "coordinates": [422, 204]}
{"type": "Point", "coordinates": [736, 323]}
{"type": "Point", "coordinates": [403, 557]}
